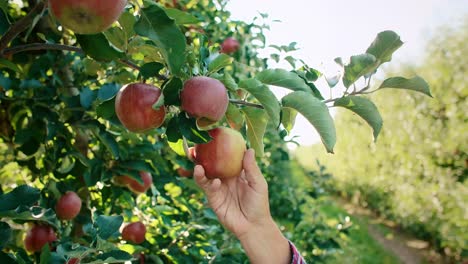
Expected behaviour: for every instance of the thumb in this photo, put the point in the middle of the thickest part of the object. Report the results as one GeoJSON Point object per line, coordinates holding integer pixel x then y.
{"type": "Point", "coordinates": [252, 173]}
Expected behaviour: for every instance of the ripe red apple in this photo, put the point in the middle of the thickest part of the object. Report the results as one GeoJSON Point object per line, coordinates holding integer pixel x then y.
{"type": "Point", "coordinates": [229, 45]}
{"type": "Point", "coordinates": [134, 232]}
{"type": "Point", "coordinates": [204, 98]}
{"type": "Point", "coordinates": [133, 184]}
{"type": "Point", "coordinates": [184, 173]}
{"type": "Point", "coordinates": [222, 156]}
{"type": "Point", "coordinates": [38, 236]}
{"type": "Point", "coordinates": [73, 261]}
{"type": "Point", "coordinates": [68, 206]}
{"type": "Point", "coordinates": [133, 106]}
{"type": "Point", "coordinates": [87, 16]}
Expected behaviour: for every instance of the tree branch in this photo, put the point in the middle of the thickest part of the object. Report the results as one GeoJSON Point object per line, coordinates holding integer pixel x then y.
{"type": "Point", "coordinates": [50, 46]}
{"type": "Point", "coordinates": [40, 46]}
{"type": "Point", "coordinates": [361, 91]}
{"type": "Point", "coordinates": [21, 25]}
{"type": "Point", "coordinates": [240, 102]}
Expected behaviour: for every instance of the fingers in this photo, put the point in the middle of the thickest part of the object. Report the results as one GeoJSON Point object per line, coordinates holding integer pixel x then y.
{"type": "Point", "coordinates": [252, 173]}
{"type": "Point", "coordinates": [209, 186]}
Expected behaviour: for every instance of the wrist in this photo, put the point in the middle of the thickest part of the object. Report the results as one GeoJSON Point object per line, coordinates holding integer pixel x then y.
{"type": "Point", "coordinates": [264, 243]}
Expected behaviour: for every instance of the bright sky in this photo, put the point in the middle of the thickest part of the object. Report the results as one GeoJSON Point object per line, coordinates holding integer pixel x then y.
{"type": "Point", "coordinates": [328, 29]}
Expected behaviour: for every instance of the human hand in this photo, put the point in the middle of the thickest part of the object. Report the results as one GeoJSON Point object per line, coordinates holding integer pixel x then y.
{"type": "Point", "coordinates": [242, 206]}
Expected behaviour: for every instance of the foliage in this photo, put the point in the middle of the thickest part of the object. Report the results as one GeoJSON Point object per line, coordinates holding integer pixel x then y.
{"type": "Point", "coordinates": [60, 131]}
{"type": "Point", "coordinates": [416, 173]}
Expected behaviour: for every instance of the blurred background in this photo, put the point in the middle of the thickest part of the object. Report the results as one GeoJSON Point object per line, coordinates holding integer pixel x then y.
{"type": "Point", "coordinates": [409, 189]}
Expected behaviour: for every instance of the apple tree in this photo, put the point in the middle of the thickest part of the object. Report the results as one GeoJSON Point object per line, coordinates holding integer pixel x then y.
{"type": "Point", "coordinates": [106, 105]}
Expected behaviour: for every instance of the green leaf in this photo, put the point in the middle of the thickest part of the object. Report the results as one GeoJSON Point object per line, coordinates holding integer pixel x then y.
{"type": "Point", "coordinates": [8, 258]}
{"type": "Point", "coordinates": [5, 234]}
{"type": "Point", "coordinates": [358, 66]}
{"type": "Point", "coordinates": [384, 45]}
{"type": "Point", "coordinates": [108, 225]}
{"type": "Point", "coordinates": [234, 117]}
{"type": "Point", "coordinates": [283, 78]}
{"type": "Point", "coordinates": [27, 214]}
{"type": "Point", "coordinates": [155, 24]}
{"type": "Point", "coordinates": [114, 256]}
{"type": "Point", "coordinates": [316, 112]}
{"type": "Point", "coordinates": [21, 195]}
{"type": "Point", "coordinates": [173, 132]}
{"type": "Point", "coordinates": [10, 65]}
{"type": "Point", "coordinates": [364, 108]}
{"type": "Point", "coordinates": [188, 128]}
{"type": "Point", "coordinates": [108, 91]}
{"type": "Point", "coordinates": [265, 96]}
{"type": "Point", "coordinates": [46, 257]}
{"type": "Point", "coordinates": [257, 120]}
{"type": "Point", "coordinates": [127, 21]}
{"type": "Point", "coordinates": [150, 69]}
{"type": "Point", "coordinates": [171, 91]}
{"type": "Point", "coordinates": [221, 61]}
{"type": "Point", "coordinates": [181, 17]}
{"type": "Point", "coordinates": [106, 110]}
{"type": "Point", "coordinates": [91, 67]}
{"type": "Point", "coordinates": [87, 97]}
{"type": "Point", "coordinates": [98, 47]}
{"type": "Point", "coordinates": [288, 118]}
{"type": "Point", "coordinates": [109, 142]}
{"type": "Point", "coordinates": [417, 84]}
{"type": "Point", "coordinates": [139, 165]}
{"type": "Point", "coordinates": [117, 37]}
{"type": "Point", "coordinates": [178, 147]}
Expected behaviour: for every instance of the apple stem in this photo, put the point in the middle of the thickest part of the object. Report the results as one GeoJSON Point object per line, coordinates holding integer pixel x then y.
{"type": "Point", "coordinates": [241, 102]}
{"type": "Point", "coordinates": [21, 25]}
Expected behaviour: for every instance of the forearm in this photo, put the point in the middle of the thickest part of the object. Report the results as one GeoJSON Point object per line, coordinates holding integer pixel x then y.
{"type": "Point", "coordinates": [266, 244]}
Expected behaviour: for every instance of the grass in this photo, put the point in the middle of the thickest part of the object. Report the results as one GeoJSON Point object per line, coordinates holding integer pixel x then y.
{"type": "Point", "coordinates": [359, 247]}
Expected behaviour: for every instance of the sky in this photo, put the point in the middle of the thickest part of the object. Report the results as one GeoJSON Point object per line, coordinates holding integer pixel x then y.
{"type": "Point", "coordinates": [328, 29]}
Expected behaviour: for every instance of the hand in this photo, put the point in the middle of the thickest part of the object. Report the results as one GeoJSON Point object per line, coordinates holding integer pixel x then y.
{"type": "Point", "coordinates": [242, 206]}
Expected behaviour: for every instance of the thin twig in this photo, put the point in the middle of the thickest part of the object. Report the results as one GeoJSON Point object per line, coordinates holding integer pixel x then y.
{"type": "Point", "coordinates": [21, 25]}
{"type": "Point", "coordinates": [40, 46]}
{"type": "Point", "coordinates": [240, 102]}
{"type": "Point", "coordinates": [361, 91]}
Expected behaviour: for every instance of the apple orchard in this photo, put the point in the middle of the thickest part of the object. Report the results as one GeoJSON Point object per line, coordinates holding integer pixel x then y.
{"type": "Point", "coordinates": [107, 105]}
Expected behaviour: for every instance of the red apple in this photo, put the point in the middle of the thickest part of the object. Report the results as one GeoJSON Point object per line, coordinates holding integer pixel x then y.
{"type": "Point", "coordinates": [38, 236]}
{"type": "Point", "coordinates": [133, 106]}
{"type": "Point", "coordinates": [133, 184]}
{"type": "Point", "coordinates": [134, 232]}
{"type": "Point", "coordinates": [73, 261]}
{"type": "Point", "coordinates": [221, 157]}
{"type": "Point", "coordinates": [184, 173]}
{"type": "Point", "coordinates": [229, 45]}
{"type": "Point", "coordinates": [68, 206]}
{"type": "Point", "coordinates": [87, 16]}
{"type": "Point", "coordinates": [204, 98]}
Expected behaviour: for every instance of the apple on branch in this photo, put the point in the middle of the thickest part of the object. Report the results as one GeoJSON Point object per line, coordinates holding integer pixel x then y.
{"type": "Point", "coordinates": [134, 107]}
{"type": "Point", "coordinates": [134, 185]}
{"type": "Point", "coordinates": [229, 45]}
{"type": "Point", "coordinates": [68, 206]}
{"type": "Point", "coordinates": [205, 99]}
{"type": "Point", "coordinates": [134, 232]}
{"type": "Point", "coordinates": [87, 16]}
{"type": "Point", "coordinates": [38, 236]}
